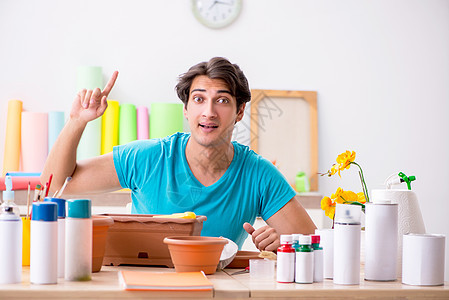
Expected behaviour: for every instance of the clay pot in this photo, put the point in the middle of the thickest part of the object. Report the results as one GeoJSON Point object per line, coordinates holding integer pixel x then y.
{"type": "Point", "coordinates": [101, 225]}
{"type": "Point", "coordinates": [195, 253]}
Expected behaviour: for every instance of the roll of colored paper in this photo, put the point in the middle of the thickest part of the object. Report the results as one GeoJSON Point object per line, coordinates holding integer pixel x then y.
{"type": "Point", "coordinates": [34, 141]}
{"type": "Point", "coordinates": [165, 119]}
{"type": "Point", "coordinates": [88, 77]}
{"type": "Point", "coordinates": [109, 128]}
{"type": "Point", "coordinates": [11, 155]}
{"type": "Point", "coordinates": [142, 123]}
{"type": "Point", "coordinates": [127, 124]}
{"type": "Point", "coordinates": [55, 124]}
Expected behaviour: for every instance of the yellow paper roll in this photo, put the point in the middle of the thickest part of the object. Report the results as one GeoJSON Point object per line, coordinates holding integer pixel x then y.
{"type": "Point", "coordinates": [26, 241]}
{"type": "Point", "coordinates": [11, 156]}
{"type": "Point", "coordinates": [109, 128]}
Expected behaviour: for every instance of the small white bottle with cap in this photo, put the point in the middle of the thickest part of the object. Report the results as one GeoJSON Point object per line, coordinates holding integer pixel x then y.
{"type": "Point", "coordinates": [285, 271]}
{"type": "Point", "coordinates": [347, 244]}
{"type": "Point", "coordinates": [78, 240]}
{"type": "Point", "coordinates": [44, 243]}
{"type": "Point", "coordinates": [61, 233]}
{"type": "Point", "coordinates": [304, 260]}
{"type": "Point", "coordinates": [318, 268]}
{"type": "Point", "coordinates": [11, 235]}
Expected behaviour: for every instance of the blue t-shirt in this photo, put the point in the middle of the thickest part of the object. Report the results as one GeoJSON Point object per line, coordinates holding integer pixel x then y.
{"type": "Point", "coordinates": [161, 182]}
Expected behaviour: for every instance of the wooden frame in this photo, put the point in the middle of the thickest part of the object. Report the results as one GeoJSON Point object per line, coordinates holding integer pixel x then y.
{"type": "Point", "coordinates": [266, 100]}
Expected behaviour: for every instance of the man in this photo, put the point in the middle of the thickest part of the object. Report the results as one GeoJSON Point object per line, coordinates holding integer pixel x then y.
{"type": "Point", "coordinates": [202, 171]}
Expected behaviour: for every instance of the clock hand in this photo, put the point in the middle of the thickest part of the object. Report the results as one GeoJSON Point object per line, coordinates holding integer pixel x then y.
{"type": "Point", "coordinates": [221, 2]}
{"type": "Point", "coordinates": [213, 4]}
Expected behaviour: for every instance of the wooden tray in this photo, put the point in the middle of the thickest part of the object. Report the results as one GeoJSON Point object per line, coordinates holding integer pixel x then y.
{"type": "Point", "coordinates": [242, 258]}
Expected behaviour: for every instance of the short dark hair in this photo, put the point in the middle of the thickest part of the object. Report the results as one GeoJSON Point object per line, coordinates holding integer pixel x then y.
{"type": "Point", "coordinates": [216, 68]}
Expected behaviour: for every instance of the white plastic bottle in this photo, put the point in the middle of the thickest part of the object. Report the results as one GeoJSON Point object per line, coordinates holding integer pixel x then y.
{"type": "Point", "coordinates": [381, 239]}
{"type": "Point", "coordinates": [61, 233]}
{"type": "Point", "coordinates": [11, 238]}
{"type": "Point", "coordinates": [318, 268]}
{"type": "Point", "coordinates": [285, 271]}
{"type": "Point", "coordinates": [304, 260]}
{"type": "Point", "coordinates": [44, 243]}
{"type": "Point", "coordinates": [78, 240]}
{"type": "Point", "coordinates": [347, 244]}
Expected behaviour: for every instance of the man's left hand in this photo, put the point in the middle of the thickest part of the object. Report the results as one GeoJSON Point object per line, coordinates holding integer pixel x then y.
{"type": "Point", "coordinates": [265, 238]}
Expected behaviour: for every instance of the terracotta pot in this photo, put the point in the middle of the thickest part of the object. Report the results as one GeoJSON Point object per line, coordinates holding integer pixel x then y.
{"type": "Point", "coordinates": [101, 225]}
{"type": "Point", "coordinates": [195, 253]}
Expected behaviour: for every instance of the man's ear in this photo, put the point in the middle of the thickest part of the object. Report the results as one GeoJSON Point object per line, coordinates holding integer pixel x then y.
{"type": "Point", "coordinates": [185, 111]}
{"type": "Point", "coordinates": [240, 113]}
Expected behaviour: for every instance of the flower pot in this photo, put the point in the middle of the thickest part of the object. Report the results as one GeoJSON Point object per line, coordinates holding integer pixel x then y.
{"type": "Point", "coordinates": [195, 253]}
{"type": "Point", "coordinates": [100, 228]}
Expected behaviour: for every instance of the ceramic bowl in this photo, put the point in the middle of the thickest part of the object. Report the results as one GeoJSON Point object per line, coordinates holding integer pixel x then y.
{"type": "Point", "coordinates": [195, 253]}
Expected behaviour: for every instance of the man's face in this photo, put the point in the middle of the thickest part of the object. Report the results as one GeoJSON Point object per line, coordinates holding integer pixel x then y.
{"type": "Point", "coordinates": [211, 111]}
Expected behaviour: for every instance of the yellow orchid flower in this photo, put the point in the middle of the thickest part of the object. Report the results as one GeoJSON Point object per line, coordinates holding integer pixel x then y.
{"type": "Point", "coordinates": [330, 212]}
{"type": "Point", "coordinates": [361, 197]}
{"type": "Point", "coordinates": [337, 194]}
{"type": "Point", "coordinates": [350, 196]}
{"type": "Point", "coordinates": [325, 203]}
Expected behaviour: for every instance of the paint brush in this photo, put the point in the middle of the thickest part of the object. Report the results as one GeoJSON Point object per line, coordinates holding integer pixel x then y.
{"type": "Point", "coordinates": [36, 192]}
{"type": "Point", "coordinates": [67, 180]}
{"type": "Point", "coordinates": [28, 200]}
{"type": "Point", "coordinates": [47, 188]}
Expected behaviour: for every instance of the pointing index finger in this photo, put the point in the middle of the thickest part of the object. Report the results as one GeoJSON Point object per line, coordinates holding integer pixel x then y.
{"type": "Point", "coordinates": [107, 89]}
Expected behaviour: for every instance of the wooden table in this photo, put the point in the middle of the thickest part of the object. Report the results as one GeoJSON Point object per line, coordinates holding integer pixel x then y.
{"type": "Point", "coordinates": [104, 285]}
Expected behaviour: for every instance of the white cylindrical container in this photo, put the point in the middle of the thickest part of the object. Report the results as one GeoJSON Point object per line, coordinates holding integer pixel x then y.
{"type": "Point", "coordinates": [61, 233]}
{"type": "Point", "coordinates": [285, 271]}
{"type": "Point", "coordinates": [304, 260]}
{"type": "Point", "coordinates": [78, 240]}
{"type": "Point", "coordinates": [317, 259]}
{"type": "Point", "coordinates": [381, 240]}
{"type": "Point", "coordinates": [44, 243]}
{"type": "Point", "coordinates": [423, 259]}
{"type": "Point", "coordinates": [347, 244]}
{"type": "Point", "coordinates": [10, 245]}
{"type": "Point", "coordinates": [410, 219]}
{"type": "Point", "coordinates": [327, 243]}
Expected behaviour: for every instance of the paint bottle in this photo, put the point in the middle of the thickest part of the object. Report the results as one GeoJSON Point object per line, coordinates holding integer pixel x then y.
{"type": "Point", "coordinates": [285, 272]}
{"type": "Point", "coordinates": [61, 233]}
{"type": "Point", "coordinates": [347, 244]}
{"type": "Point", "coordinates": [295, 241]}
{"type": "Point", "coordinates": [78, 240]}
{"type": "Point", "coordinates": [11, 235]}
{"type": "Point", "coordinates": [318, 267]}
{"type": "Point", "coordinates": [304, 260]}
{"type": "Point", "coordinates": [44, 243]}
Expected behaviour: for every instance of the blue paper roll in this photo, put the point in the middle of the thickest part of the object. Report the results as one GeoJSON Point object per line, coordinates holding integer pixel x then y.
{"type": "Point", "coordinates": [55, 125]}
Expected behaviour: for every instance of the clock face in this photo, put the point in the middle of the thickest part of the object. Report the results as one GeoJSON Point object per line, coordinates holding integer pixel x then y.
{"type": "Point", "coordinates": [216, 13]}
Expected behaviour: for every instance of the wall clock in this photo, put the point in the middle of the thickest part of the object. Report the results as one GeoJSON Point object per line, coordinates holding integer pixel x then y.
{"type": "Point", "coordinates": [216, 13]}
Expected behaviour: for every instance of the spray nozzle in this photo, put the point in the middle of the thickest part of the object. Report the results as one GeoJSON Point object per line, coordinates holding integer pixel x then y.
{"type": "Point", "coordinates": [399, 178]}
{"type": "Point", "coordinates": [8, 183]}
{"type": "Point", "coordinates": [8, 194]}
{"type": "Point", "coordinates": [406, 179]}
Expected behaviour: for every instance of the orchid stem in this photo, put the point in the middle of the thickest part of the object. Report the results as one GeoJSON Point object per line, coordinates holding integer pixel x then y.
{"type": "Point", "coordinates": [362, 179]}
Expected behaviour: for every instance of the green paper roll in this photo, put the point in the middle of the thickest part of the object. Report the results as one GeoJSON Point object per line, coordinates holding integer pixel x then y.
{"type": "Point", "coordinates": [109, 129]}
{"type": "Point", "coordinates": [89, 77]}
{"type": "Point", "coordinates": [127, 124]}
{"type": "Point", "coordinates": [90, 143]}
{"type": "Point", "coordinates": [165, 119]}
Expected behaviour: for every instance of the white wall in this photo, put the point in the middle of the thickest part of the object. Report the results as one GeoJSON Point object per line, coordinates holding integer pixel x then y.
{"type": "Point", "coordinates": [381, 69]}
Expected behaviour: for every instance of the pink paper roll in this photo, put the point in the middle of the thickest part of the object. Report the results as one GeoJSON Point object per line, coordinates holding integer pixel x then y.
{"type": "Point", "coordinates": [34, 141]}
{"type": "Point", "coordinates": [142, 123]}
